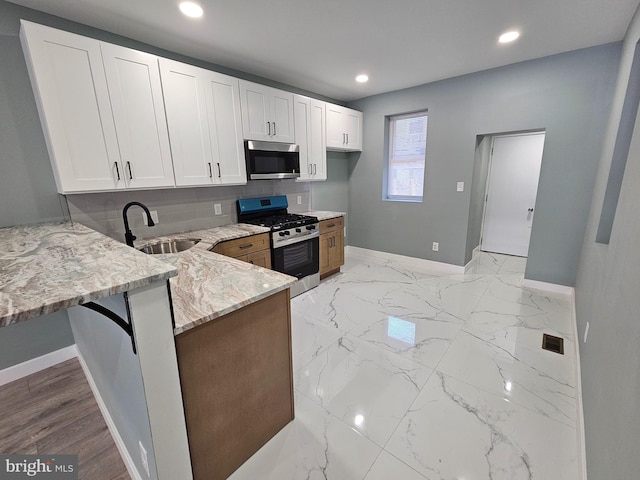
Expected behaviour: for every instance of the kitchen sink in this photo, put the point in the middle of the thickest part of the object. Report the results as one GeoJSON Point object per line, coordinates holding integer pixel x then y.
{"type": "Point", "coordinates": [170, 246]}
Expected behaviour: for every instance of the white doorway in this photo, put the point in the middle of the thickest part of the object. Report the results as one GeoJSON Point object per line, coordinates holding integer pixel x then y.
{"type": "Point", "coordinates": [512, 186]}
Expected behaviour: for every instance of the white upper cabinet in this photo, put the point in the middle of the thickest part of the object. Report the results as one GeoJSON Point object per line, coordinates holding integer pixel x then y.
{"type": "Point", "coordinates": [101, 110]}
{"type": "Point", "coordinates": [267, 113]}
{"type": "Point", "coordinates": [70, 86]}
{"type": "Point", "coordinates": [344, 128]}
{"type": "Point", "coordinates": [133, 79]}
{"type": "Point", "coordinates": [205, 127]}
{"type": "Point", "coordinates": [310, 129]}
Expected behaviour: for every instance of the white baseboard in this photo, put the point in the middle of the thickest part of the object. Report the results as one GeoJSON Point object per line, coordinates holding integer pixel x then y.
{"type": "Point", "coordinates": [548, 287]}
{"type": "Point", "coordinates": [436, 267]}
{"type": "Point", "coordinates": [34, 365]}
{"type": "Point", "coordinates": [582, 450]}
{"type": "Point", "coordinates": [124, 453]}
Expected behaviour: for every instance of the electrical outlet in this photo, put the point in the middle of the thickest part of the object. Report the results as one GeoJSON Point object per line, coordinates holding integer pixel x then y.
{"type": "Point", "coordinates": [217, 208]}
{"type": "Point", "coordinates": [436, 246]}
{"type": "Point", "coordinates": [145, 460]}
{"type": "Point", "coordinates": [460, 187]}
{"type": "Point", "coordinates": [586, 332]}
{"type": "Point", "coordinates": [154, 217]}
{"type": "Point", "coordinates": [299, 199]}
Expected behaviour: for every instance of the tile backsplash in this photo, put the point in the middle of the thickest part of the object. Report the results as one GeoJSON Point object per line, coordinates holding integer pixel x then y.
{"type": "Point", "coordinates": [179, 209]}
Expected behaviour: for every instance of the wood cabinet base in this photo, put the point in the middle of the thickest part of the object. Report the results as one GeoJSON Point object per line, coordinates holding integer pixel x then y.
{"type": "Point", "coordinates": [237, 384]}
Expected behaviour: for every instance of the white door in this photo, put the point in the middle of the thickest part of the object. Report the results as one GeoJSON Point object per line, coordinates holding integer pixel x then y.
{"type": "Point", "coordinates": [184, 97]}
{"type": "Point", "coordinates": [254, 99]}
{"type": "Point", "coordinates": [511, 193]}
{"type": "Point", "coordinates": [317, 140]}
{"type": "Point", "coordinates": [134, 85]}
{"type": "Point", "coordinates": [222, 94]}
{"type": "Point", "coordinates": [282, 116]}
{"type": "Point", "coordinates": [335, 122]}
{"type": "Point", "coordinates": [73, 101]}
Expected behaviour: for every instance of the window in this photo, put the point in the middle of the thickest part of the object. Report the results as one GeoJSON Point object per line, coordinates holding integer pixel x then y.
{"type": "Point", "coordinates": [406, 160]}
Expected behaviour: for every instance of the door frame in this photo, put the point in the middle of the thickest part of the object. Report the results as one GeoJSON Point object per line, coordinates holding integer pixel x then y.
{"type": "Point", "coordinates": [486, 188]}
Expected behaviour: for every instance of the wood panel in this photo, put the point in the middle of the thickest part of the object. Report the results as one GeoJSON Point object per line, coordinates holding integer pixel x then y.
{"type": "Point", "coordinates": [237, 384]}
{"type": "Point", "coordinates": [331, 225]}
{"type": "Point", "coordinates": [243, 246]}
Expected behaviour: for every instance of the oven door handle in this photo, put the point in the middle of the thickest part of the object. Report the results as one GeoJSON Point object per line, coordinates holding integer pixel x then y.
{"type": "Point", "coordinates": [285, 243]}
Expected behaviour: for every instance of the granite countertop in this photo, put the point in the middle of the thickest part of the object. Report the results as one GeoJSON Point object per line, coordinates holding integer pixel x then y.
{"type": "Point", "coordinates": [53, 266]}
{"type": "Point", "coordinates": [210, 285]}
{"type": "Point", "coordinates": [324, 214]}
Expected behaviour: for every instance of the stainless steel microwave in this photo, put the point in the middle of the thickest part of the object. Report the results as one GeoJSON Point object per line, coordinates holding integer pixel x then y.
{"type": "Point", "coordinates": [267, 160]}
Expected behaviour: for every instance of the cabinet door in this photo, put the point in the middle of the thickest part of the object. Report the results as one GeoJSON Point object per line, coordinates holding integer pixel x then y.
{"type": "Point", "coordinates": [71, 93]}
{"type": "Point", "coordinates": [137, 104]}
{"type": "Point", "coordinates": [254, 99]}
{"type": "Point", "coordinates": [336, 250]}
{"type": "Point", "coordinates": [261, 258]}
{"type": "Point", "coordinates": [184, 97]}
{"type": "Point", "coordinates": [302, 124]}
{"type": "Point", "coordinates": [353, 129]}
{"type": "Point", "coordinates": [225, 128]}
{"type": "Point", "coordinates": [317, 140]}
{"type": "Point", "coordinates": [335, 132]}
{"type": "Point", "coordinates": [282, 129]}
{"type": "Point", "coordinates": [325, 259]}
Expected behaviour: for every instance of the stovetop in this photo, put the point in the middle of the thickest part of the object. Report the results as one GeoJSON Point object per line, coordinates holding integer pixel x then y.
{"type": "Point", "coordinates": [271, 212]}
{"type": "Point", "coordinates": [281, 221]}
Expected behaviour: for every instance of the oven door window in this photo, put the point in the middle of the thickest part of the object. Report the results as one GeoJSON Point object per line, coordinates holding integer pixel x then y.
{"type": "Point", "coordinates": [298, 260]}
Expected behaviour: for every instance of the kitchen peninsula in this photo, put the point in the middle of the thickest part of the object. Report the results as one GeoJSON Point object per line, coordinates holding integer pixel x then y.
{"type": "Point", "coordinates": [136, 378]}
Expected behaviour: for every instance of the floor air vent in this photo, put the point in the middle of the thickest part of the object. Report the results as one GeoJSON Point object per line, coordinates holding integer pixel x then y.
{"type": "Point", "coordinates": [553, 344]}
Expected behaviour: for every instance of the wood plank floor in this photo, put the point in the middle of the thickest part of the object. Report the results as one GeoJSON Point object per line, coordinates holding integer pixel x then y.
{"type": "Point", "coordinates": [54, 412]}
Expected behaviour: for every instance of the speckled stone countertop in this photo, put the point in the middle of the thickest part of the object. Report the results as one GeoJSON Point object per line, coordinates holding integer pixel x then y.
{"type": "Point", "coordinates": [210, 285]}
{"type": "Point", "coordinates": [324, 215]}
{"type": "Point", "coordinates": [53, 266]}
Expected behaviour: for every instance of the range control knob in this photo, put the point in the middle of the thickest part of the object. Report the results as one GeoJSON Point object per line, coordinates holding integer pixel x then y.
{"type": "Point", "coordinates": [282, 234]}
{"type": "Point", "coordinates": [298, 230]}
{"type": "Point", "coordinates": [287, 232]}
{"type": "Point", "coordinates": [311, 227]}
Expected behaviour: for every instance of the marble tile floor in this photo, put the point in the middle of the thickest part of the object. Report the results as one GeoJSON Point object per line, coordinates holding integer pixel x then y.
{"type": "Point", "coordinates": [401, 373]}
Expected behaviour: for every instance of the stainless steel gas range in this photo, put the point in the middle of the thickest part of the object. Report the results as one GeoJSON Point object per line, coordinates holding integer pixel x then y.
{"type": "Point", "coordinates": [295, 243]}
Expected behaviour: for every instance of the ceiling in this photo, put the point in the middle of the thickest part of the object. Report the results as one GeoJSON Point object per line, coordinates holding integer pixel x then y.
{"type": "Point", "coordinates": [321, 45]}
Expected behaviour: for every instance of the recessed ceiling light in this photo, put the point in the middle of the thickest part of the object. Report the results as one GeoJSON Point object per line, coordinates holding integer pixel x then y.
{"type": "Point", "coordinates": [191, 9]}
{"type": "Point", "coordinates": [362, 78]}
{"type": "Point", "coordinates": [508, 36]}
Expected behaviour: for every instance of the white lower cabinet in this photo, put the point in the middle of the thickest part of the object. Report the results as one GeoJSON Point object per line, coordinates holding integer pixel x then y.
{"type": "Point", "coordinates": [205, 125]}
{"type": "Point", "coordinates": [310, 128]}
{"type": "Point", "coordinates": [101, 110]}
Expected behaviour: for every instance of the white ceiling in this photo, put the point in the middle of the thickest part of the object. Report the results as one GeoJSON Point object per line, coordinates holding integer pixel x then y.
{"type": "Point", "coordinates": [321, 45]}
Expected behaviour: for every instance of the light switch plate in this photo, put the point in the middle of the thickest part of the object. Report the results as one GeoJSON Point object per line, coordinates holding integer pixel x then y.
{"type": "Point", "coordinates": [436, 246]}
{"type": "Point", "coordinates": [460, 187]}
{"type": "Point", "coordinates": [217, 208]}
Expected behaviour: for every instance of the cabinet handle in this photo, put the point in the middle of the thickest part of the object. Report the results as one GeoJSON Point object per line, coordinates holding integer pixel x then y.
{"type": "Point", "coordinates": [344, 138]}
{"type": "Point", "coordinates": [210, 171]}
{"type": "Point", "coordinates": [269, 128]}
{"type": "Point", "coordinates": [117, 170]}
{"type": "Point", "coordinates": [219, 171]}
{"type": "Point", "coordinates": [347, 139]}
{"type": "Point", "coordinates": [130, 174]}
{"type": "Point", "coordinates": [248, 245]}
{"type": "Point", "coordinates": [251, 262]}
{"type": "Point", "coordinates": [274, 129]}
{"type": "Point", "coordinates": [331, 226]}
{"type": "Point", "coordinates": [310, 168]}
{"type": "Point", "coordinates": [315, 168]}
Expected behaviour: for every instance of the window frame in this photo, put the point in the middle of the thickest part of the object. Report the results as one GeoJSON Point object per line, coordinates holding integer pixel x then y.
{"type": "Point", "coordinates": [389, 145]}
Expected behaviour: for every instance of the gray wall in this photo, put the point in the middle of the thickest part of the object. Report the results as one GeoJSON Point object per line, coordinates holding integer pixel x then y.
{"type": "Point", "coordinates": [607, 297]}
{"type": "Point", "coordinates": [568, 95]}
{"type": "Point", "coordinates": [333, 194]}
